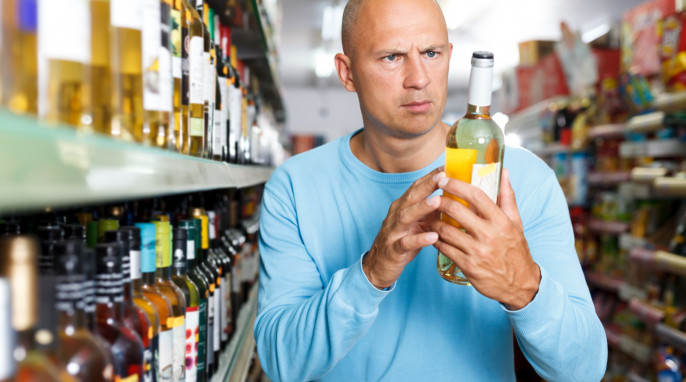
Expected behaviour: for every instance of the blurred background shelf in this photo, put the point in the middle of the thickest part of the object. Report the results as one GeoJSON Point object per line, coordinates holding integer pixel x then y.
{"type": "Point", "coordinates": [613, 227]}
{"type": "Point", "coordinates": [616, 130]}
{"type": "Point", "coordinates": [646, 123]}
{"type": "Point", "coordinates": [672, 336]}
{"type": "Point", "coordinates": [661, 260]}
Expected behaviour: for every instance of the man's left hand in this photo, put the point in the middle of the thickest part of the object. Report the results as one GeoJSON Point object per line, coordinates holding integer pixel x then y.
{"type": "Point", "coordinates": [491, 250]}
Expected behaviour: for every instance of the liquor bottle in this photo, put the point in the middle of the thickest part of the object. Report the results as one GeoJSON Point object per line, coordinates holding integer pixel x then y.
{"type": "Point", "coordinates": [201, 246]}
{"type": "Point", "coordinates": [8, 368]}
{"type": "Point", "coordinates": [64, 43]}
{"type": "Point", "coordinates": [88, 270]}
{"type": "Point", "coordinates": [202, 10]}
{"type": "Point", "coordinates": [100, 92]}
{"type": "Point", "coordinates": [174, 295]}
{"type": "Point", "coordinates": [474, 149]}
{"type": "Point", "coordinates": [198, 278]}
{"type": "Point", "coordinates": [190, 291]}
{"type": "Point", "coordinates": [19, 73]}
{"type": "Point", "coordinates": [133, 317]}
{"type": "Point", "coordinates": [235, 103]}
{"type": "Point", "coordinates": [178, 34]}
{"type": "Point", "coordinates": [227, 315]}
{"type": "Point", "coordinates": [196, 64]}
{"type": "Point", "coordinates": [213, 276]}
{"type": "Point", "coordinates": [80, 353]}
{"type": "Point", "coordinates": [219, 136]}
{"type": "Point", "coordinates": [126, 20]}
{"type": "Point", "coordinates": [217, 271]}
{"type": "Point", "coordinates": [162, 304]}
{"type": "Point", "coordinates": [18, 265]}
{"type": "Point", "coordinates": [143, 302]}
{"type": "Point", "coordinates": [126, 346]}
{"type": "Point", "coordinates": [105, 225]}
{"type": "Point", "coordinates": [50, 234]}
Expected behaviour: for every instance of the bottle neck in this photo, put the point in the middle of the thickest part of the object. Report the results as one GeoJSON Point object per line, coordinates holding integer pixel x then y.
{"type": "Point", "coordinates": [70, 301]}
{"type": "Point", "coordinates": [478, 112]}
{"type": "Point", "coordinates": [164, 273]}
{"type": "Point", "coordinates": [149, 278]}
{"type": "Point", "coordinates": [480, 86]}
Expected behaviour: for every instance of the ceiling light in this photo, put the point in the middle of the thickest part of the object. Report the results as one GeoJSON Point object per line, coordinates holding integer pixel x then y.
{"type": "Point", "coordinates": [594, 33]}
{"type": "Point", "coordinates": [513, 140]}
{"type": "Point", "coordinates": [323, 63]}
{"type": "Point", "coordinates": [500, 119]}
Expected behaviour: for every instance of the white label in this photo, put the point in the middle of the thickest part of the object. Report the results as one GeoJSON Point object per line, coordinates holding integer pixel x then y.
{"type": "Point", "coordinates": [176, 67]}
{"type": "Point", "coordinates": [192, 333]}
{"type": "Point", "coordinates": [207, 75]}
{"type": "Point", "coordinates": [179, 353]}
{"type": "Point", "coordinates": [152, 70]}
{"type": "Point", "coordinates": [135, 265]}
{"type": "Point", "coordinates": [166, 81]}
{"type": "Point", "coordinates": [224, 314]}
{"type": "Point", "coordinates": [64, 30]}
{"type": "Point", "coordinates": [197, 70]}
{"type": "Point", "coordinates": [127, 14]}
{"type": "Point", "coordinates": [219, 134]}
{"type": "Point", "coordinates": [190, 250]}
{"type": "Point", "coordinates": [480, 87]}
{"type": "Point", "coordinates": [217, 319]}
{"type": "Point", "coordinates": [235, 98]}
{"type": "Point", "coordinates": [166, 355]}
{"type": "Point", "coordinates": [486, 177]}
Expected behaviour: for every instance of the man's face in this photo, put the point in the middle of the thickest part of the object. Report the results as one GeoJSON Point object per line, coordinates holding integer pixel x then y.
{"type": "Point", "coordinates": [399, 64]}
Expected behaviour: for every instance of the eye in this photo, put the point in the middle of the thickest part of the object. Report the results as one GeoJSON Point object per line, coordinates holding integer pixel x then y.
{"type": "Point", "coordinates": [431, 54]}
{"type": "Point", "coordinates": [391, 57]}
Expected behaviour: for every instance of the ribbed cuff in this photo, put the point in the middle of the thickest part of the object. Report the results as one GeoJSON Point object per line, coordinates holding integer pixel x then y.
{"type": "Point", "coordinates": [357, 292]}
{"type": "Point", "coordinates": [547, 306]}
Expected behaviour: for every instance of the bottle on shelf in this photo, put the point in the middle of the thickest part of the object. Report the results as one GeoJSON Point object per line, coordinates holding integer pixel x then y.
{"type": "Point", "coordinates": [474, 149]}
{"type": "Point", "coordinates": [217, 266]}
{"type": "Point", "coordinates": [181, 24]}
{"type": "Point", "coordinates": [8, 368]}
{"type": "Point", "coordinates": [19, 69]}
{"type": "Point", "coordinates": [64, 44]}
{"type": "Point", "coordinates": [100, 92]}
{"type": "Point", "coordinates": [190, 291]}
{"type": "Point", "coordinates": [202, 10]}
{"type": "Point", "coordinates": [201, 227]}
{"type": "Point", "coordinates": [173, 294]}
{"type": "Point", "coordinates": [80, 353]}
{"type": "Point", "coordinates": [219, 131]}
{"type": "Point", "coordinates": [126, 346]}
{"type": "Point", "coordinates": [161, 303]}
{"type": "Point", "coordinates": [18, 265]}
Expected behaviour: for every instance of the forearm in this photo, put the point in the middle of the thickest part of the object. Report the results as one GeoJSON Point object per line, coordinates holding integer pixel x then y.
{"type": "Point", "coordinates": [304, 340]}
{"type": "Point", "coordinates": [561, 335]}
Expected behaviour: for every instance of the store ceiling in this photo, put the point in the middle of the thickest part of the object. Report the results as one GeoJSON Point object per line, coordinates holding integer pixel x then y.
{"type": "Point", "coordinates": [496, 25]}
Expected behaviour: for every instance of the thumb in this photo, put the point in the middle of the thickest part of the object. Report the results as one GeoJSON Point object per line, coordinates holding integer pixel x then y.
{"type": "Point", "coordinates": [507, 201]}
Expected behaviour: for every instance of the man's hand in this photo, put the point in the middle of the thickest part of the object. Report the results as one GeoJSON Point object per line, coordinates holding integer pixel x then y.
{"type": "Point", "coordinates": [404, 232]}
{"type": "Point", "coordinates": [491, 251]}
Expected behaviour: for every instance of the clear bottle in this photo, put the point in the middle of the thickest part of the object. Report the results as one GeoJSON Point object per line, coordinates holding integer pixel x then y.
{"type": "Point", "coordinates": [219, 137]}
{"type": "Point", "coordinates": [126, 72]}
{"type": "Point", "coordinates": [126, 346]}
{"type": "Point", "coordinates": [474, 149]}
{"type": "Point", "coordinates": [177, 34]}
{"type": "Point", "coordinates": [162, 304]}
{"type": "Point", "coordinates": [18, 265]}
{"type": "Point", "coordinates": [203, 12]}
{"type": "Point", "coordinates": [100, 92]}
{"type": "Point", "coordinates": [174, 295]}
{"type": "Point", "coordinates": [19, 69]}
{"type": "Point", "coordinates": [190, 291]}
{"type": "Point", "coordinates": [64, 44]}
{"type": "Point", "coordinates": [197, 67]}
{"type": "Point", "coordinates": [79, 353]}
{"type": "Point", "coordinates": [217, 268]}
{"type": "Point", "coordinates": [212, 278]}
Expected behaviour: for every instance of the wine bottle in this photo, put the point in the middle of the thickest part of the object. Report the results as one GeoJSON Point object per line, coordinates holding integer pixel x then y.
{"type": "Point", "coordinates": [8, 368]}
{"type": "Point", "coordinates": [100, 92]}
{"type": "Point", "coordinates": [19, 73]}
{"type": "Point", "coordinates": [202, 228]}
{"type": "Point", "coordinates": [156, 67]}
{"type": "Point", "coordinates": [196, 61]}
{"type": "Point", "coordinates": [178, 34]}
{"type": "Point", "coordinates": [474, 149]}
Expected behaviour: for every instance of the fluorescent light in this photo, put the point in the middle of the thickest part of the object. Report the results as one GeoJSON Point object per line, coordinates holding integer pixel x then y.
{"type": "Point", "coordinates": [332, 20]}
{"type": "Point", "coordinates": [323, 63]}
{"type": "Point", "coordinates": [500, 119]}
{"type": "Point", "coordinates": [594, 33]}
{"type": "Point", "coordinates": [513, 140]}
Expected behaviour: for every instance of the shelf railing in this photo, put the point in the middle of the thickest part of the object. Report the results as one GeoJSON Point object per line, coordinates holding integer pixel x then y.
{"type": "Point", "coordinates": [660, 260]}
{"type": "Point", "coordinates": [672, 336]}
{"type": "Point", "coordinates": [612, 227]}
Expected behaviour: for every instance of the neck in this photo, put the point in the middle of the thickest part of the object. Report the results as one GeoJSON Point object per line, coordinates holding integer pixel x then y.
{"type": "Point", "coordinates": [389, 153]}
{"type": "Point", "coordinates": [148, 278]}
{"type": "Point", "coordinates": [74, 319]}
{"type": "Point", "coordinates": [164, 273]}
{"type": "Point", "coordinates": [128, 294]}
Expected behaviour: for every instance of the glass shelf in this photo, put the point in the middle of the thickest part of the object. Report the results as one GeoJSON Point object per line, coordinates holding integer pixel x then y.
{"type": "Point", "coordinates": [646, 123]}
{"type": "Point", "coordinates": [58, 166]}
{"type": "Point", "coordinates": [615, 130]}
{"type": "Point", "coordinates": [672, 336]}
{"type": "Point", "coordinates": [660, 260]}
{"type": "Point", "coordinates": [613, 227]}
{"type": "Point", "coordinates": [658, 148]}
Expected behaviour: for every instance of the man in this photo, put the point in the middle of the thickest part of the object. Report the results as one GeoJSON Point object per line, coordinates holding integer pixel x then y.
{"type": "Point", "coordinates": [349, 235]}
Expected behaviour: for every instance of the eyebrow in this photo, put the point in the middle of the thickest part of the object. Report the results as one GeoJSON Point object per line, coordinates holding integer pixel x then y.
{"type": "Point", "coordinates": [389, 51]}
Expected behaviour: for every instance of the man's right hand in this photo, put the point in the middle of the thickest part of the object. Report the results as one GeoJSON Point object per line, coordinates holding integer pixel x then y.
{"type": "Point", "coordinates": [404, 232]}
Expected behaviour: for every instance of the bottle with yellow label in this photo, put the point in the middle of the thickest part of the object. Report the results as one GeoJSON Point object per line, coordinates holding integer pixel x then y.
{"type": "Point", "coordinates": [474, 149]}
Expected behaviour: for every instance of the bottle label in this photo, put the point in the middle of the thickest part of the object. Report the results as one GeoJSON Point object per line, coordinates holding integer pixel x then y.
{"type": "Point", "coordinates": [190, 249]}
{"type": "Point", "coordinates": [65, 30]}
{"type": "Point", "coordinates": [130, 378]}
{"type": "Point", "coordinates": [210, 330]}
{"type": "Point", "coordinates": [219, 134]}
{"type": "Point", "coordinates": [151, 55]}
{"type": "Point", "coordinates": [135, 265]}
{"type": "Point", "coordinates": [179, 352]}
{"type": "Point", "coordinates": [166, 349]}
{"type": "Point", "coordinates": [176, 42]}
{"type": "Point", "coordinates": [202, 337]}
{"type": "Point", "coordinates": [216, 340]}
{"type": "Point", "coordinates": [69, 293]}
{"type": "Point", "coordinates": [150, 360]}
{"type": "Point", "coordinates": [89, 296]}
{"type": "Point", "coordinates": [185, 66]}
{"type": "Point", "coordinates": [192, 334]}
{"type": "Point", "coordinates": [487, 177]}
{"type": "Point", "coordinates": [126, 267]}
{"type": "Point", "coordinates": [207, 76]}
{"type": "Point", "coordinates": [148, 256]}
{"type": "Point", "coordinates": [197, 70]}
{"type": "Point", "coordinates": [166, 78]}
{"type": "Point", "coordinates": [179, 258]}
{"type": "Point", "coordinates": [126, 14]}
{"type": "Point", "coordinates": [235, 99]}
{"type": "Point", "coordinates": [197, 128]}
{"type": "Point", "coordinates": [224, 308]}
{"type": "Point", "coordinates": [108, 288]}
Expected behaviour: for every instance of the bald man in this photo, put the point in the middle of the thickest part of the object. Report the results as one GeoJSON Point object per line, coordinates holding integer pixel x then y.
{"type": "Point", "coordinates": [350, 231]}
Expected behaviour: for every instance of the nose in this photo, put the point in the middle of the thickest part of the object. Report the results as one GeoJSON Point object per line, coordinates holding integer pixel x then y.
{"type": "Point", "coordinates": [416, 75]}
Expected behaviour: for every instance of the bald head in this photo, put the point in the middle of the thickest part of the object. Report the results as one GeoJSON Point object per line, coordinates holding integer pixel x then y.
{"type": "Point", "coordinates": [350, 30]}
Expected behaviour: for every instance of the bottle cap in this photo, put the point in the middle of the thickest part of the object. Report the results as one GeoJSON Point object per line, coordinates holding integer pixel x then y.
{"type": "Point", "coordinates": [180, 247]}
{"type": "Point", "coordinates": [482, 59]}
{"type": "Point", "coordinates": [106, 225]}
{"type": "Point", "coordinates": [121, 236]}
{"type": "Point", "coordinates": [163, 244]}
{"type": "Point", "coordinates": [148, 237]}
{"type": "Point", "coordinates": [10, 228]}
{"type": "Point", "coordinates": [91, 234]}
{"type": "Point", "coordinates": [134, 236]}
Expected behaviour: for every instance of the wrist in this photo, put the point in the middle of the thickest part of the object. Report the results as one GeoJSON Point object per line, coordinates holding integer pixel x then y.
{"type": "Point", "coordinates": [527, 291]}
{"type": "Point", "coordinates": [368, 265]}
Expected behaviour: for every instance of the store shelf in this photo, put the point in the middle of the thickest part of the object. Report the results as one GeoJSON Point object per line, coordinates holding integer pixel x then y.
{"type": "Point", "coordinates": [235, 360]}
{"type": "Point", "coordinates": [672, 336]}
{"type": "Point", "coordinates": [647, 174]}
{"type": "Point", "coordinates": [616, 130]}
{"type": "Point", "coordinates": [670, 102]}
{"type": "Point", "coordinates": [660, 260]}
{"type": "Point", "coordinates": [633, 377]}
{"type": "Point", "coordinates": [646, 123]}
{"type": "Point", "coordinates": [628, 242]}
{"type": "Point", "coordinates": [58, 166]}
{"type": "Point", "coordinates": [628, 346]}
{"type": "Point", "coordinates": [605, 282]}
{"type": "Point", "coordinates": [608, 178]}
{"type": "Point", "coordinates": [670, 186]}
{"type": "Point", "coordinates": [648, 314]}
{"type": "Point", "coordinates": [658, 148]}
{"type": "Point", "coordinates": [613, 227]}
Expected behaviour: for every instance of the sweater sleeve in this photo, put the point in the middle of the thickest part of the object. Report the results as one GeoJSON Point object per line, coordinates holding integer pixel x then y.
{"type": "Point", "coordinates": [558, 331]}
{"type": "Point", "coordinates": [304, 324]}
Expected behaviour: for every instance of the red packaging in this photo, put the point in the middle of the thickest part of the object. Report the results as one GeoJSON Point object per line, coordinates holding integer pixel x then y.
{"type": "Point", "coordinates": [673, 52]}
{"type": "Point", "coordinates": [540, 82]}
{"type": "Point", "coordinates": [640, 38]}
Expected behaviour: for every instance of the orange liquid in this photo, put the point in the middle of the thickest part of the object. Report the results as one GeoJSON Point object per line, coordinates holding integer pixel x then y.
{"type": "Point", "coordinates": [458, 165]}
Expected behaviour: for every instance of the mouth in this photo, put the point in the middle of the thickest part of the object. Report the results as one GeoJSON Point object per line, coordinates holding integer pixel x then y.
{"type": "Point", "coordinates": [417, 107]}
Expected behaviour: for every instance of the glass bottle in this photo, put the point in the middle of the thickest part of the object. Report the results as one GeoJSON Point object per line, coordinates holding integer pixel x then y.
{"type": "Point", "coordinates": [474, 149]}
{"type": "Point", "coordinates": [190, 291]}
{"type": "Point", "coordinates": [173, 294]}
{"type": "Point", "coordinates": [196, 65]}
{"type": "Point", "coordinates": [217, 270]}
{"type": "Point", "coordinates": [133, 317]}
{"type": "Point", "coordinates": [18, 265]}
{"type": "Point", "coordinates": [126, 346]}
{"type": "Point", "coordinates": [88, 269]}
{"type": "Point", "coordinates": [64, 43]}
{"type": "Point", "coordinates": [198, 278]}
{"type": "Point", "coordinates": [126, 20]}
{"type": "Point", "coordinates": [8, 368]}
{"type": "Point", "coordinates": [99, 71]}
{"type": "Point", "coordinates": [19, 73]}
{"type": "Point", "coordinates": [219, 137]}
{"type": "Point", "coordinates": [202, 10]}
{"type": "Point", "coordinates": [80, 353]}
{"type": "Point", "coordinates": [50, 234]}
{"type": "Point", "coordinates": [141, 301]}
{"type": "Point", "coordinates": [162, 304]}
{"type": "Point", "coordinates": [178, 34]}
{"type": "Point", "coordinates": [201, 247]}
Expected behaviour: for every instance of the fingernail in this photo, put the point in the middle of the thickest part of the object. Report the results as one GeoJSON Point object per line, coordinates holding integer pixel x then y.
{"type": "Point", "coordinates": [434, 201]}
{"type": "Point", "coordinates": [440, 175]}
{"type": "Point", "coordinates": [443, 182]}
{"type": "Point", "coordinates": [431, 236]}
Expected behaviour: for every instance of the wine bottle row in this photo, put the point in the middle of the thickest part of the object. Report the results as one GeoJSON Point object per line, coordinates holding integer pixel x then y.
{"type": "Point", "coordinates": [133, 292]}
{"type": "Point", "coordinates": [159, 72]}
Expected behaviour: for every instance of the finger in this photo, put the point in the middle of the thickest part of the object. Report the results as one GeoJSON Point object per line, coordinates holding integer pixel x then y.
{"type": "Point", "coordinates": [459, 257]}
{"type": "Point", "coordinates": [462, 214]}
{"type": "Point", "coordinates": [507, 201]}
{"type": "Point", "coordinates": [453, 236]}
{"type": "Point", "coordinates": [475, 197]}
{"type": "Point", "coordinates": [422, 187]}
{"type": "Point", "coordinates": [411, 243]}
{"type": "Point", "coordinates": [415, 212]}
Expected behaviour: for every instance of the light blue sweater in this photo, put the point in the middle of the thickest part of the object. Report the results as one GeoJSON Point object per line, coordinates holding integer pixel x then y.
{"type": "Point", "coordinates": [319, 318]}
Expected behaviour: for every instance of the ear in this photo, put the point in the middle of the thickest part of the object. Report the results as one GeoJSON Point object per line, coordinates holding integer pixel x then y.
{"type": "Point", "coordinates": [345, 73]}
{"type": "Point", "coordinates": [450, 54]}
